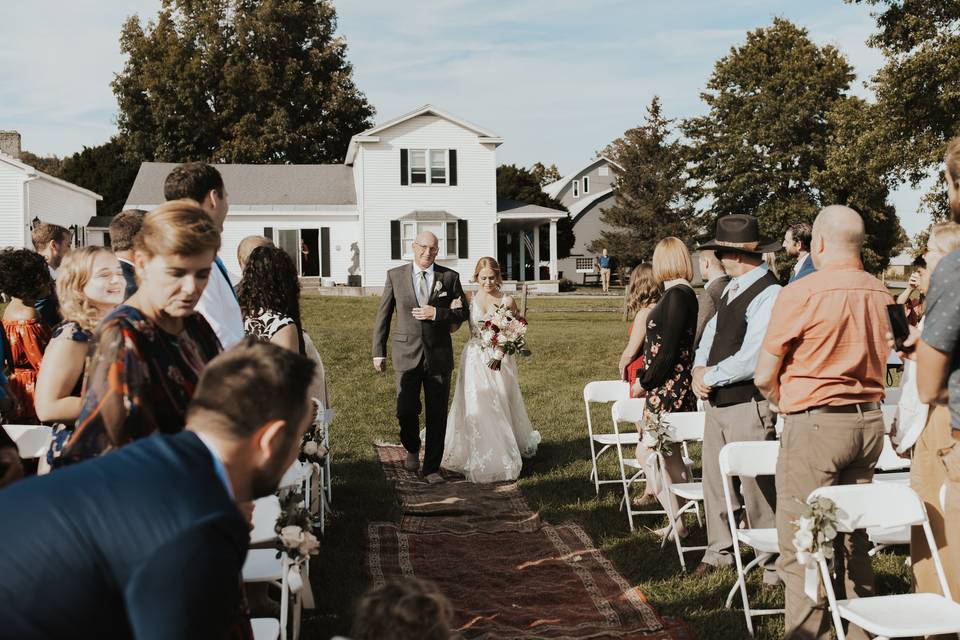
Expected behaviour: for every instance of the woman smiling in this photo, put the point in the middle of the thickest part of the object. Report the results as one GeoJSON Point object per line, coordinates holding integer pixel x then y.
{"type": "Point", "coordinates": [150, 351]}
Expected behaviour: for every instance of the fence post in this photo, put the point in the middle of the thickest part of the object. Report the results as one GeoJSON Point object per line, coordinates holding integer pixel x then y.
{"type": "Point", "coordinates": [523, 301]}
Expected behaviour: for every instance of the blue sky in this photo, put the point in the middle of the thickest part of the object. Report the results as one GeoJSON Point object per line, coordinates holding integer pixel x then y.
{"type": "Point", "coordinates": [558, 79]}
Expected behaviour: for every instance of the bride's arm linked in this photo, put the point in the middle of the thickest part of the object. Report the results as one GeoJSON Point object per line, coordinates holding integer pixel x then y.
{"type": "Point", "coordinates": [458, 303]}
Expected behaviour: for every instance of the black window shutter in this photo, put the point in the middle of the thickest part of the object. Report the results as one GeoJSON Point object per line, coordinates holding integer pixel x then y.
{"type": "Point", "coordinates": [395, 252]}
{"type": "Point", "coordinates": [324, 252]}
{"type": "Point", "coordinates": [462, 250]}
{"type": "Point", "coordinates": [453, 167]}
{"type": "Point", "coordinates": [268, 233]}
{"type": "Point", "coordinates": [404, 163]}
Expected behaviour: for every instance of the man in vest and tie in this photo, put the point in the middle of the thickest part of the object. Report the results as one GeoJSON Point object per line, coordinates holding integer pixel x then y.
{"type": "Point", "coordinates": [202, 183]}
{"type": "Point", "coordinates": [723, 377]}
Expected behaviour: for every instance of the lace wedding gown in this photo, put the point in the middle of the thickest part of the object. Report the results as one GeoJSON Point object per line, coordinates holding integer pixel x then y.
{"type": "Point", "coordinates": [488, 431]}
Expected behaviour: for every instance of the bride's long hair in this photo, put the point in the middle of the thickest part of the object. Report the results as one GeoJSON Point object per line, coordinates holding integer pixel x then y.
{"type": "Point", "coordinates": [487, 262]}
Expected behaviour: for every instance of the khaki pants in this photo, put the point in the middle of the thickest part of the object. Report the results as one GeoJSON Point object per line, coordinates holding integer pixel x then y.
{"type": "Point", "coordinates": [819, 450]}
{"type": "Point", "coordinates": [745, 422]}
{"type": "Point", "coordinates": [927, 475]}
{"type": "Point", "coordinates": [605, 279]}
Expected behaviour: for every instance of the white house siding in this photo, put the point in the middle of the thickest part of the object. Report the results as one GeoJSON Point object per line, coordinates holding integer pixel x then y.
{"type": "Point", "coordinates": [344, 228]}
{"type": "Point", "coordinates": [383, 198]}
{"type": "Point", "coordinates": [12, 224]}
{"type": "Point", "coordinates": [59, 205]}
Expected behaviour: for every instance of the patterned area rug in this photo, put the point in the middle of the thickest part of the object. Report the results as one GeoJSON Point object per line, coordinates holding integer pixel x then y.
{"type": "Point", "coordinates": [508, 574]}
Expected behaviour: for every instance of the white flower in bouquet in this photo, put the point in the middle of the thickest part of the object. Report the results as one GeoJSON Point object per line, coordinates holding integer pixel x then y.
{"type": "Point", "coordinates": [292, 536]}
{"type": "Point", "coordinates": [503, 333]}
{"type": "Point", "coordinates": [309, 545]}
{"type": "Point", "coordinates": [311, 447]}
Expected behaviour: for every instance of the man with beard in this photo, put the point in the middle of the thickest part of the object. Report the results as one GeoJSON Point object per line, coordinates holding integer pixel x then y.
{"type": "Point", "coordinates": [147, 541]}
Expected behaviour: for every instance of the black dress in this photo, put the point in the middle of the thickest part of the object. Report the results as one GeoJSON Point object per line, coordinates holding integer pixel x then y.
{"type": "Point", "coordinates": [668, 351]}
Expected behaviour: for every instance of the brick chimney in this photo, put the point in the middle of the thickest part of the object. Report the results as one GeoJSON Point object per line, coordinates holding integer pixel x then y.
{"type": "Point", "coordinates": [10, 143]}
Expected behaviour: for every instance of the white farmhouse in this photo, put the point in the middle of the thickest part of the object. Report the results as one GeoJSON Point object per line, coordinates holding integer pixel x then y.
{"type": "Point", "coordinates": [28, 196]}
{"type": "Point", "coordinates": [350, 223]}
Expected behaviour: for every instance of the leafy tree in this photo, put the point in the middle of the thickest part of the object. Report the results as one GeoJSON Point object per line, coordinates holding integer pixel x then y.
{"type": "Point", "coordinates": [917, 90]}
{"type": "Point", "coordinates": [51, 165]}
{"type": "Point", "coordinates": [783, 138]}
{"type": "Point", "coordinates": [104, 169]}
{"type": "Point", "coordinates": [653, 199]}
{"type": "Point", "coordinates": [238, 81]}
{"type": "Point", "coordinates": [545, 175]}
{"type": "Point", "coordinates": [524, 185]}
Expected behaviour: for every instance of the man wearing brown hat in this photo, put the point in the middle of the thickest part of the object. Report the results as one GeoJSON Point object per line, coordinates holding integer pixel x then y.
{"type": "Point", "coordinates": [723, 377]}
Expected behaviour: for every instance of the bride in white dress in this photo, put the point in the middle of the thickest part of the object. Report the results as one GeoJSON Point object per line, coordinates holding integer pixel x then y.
{"type": "Point", "coordinates": [488, 431]}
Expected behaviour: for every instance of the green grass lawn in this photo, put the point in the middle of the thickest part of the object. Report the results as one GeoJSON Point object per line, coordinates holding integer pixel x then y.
{"type": "Point", "coordinates": [573, 342]}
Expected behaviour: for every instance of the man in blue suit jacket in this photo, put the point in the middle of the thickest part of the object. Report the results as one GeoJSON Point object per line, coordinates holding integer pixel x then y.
{"type": "Point", "coordinates": [147, 541]}
{"type": "Point", "coordinates": [123, 229]}
{"type": "Point", "coordinates": [797, 243]}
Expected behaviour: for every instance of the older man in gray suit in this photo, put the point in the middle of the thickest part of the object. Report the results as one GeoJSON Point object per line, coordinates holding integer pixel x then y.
{"type": "Point", "coordinates": [422, 294]}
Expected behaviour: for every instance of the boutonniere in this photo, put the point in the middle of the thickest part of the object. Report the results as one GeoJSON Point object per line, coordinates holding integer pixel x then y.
{"type": "Point", "coordinates": [437, 286]}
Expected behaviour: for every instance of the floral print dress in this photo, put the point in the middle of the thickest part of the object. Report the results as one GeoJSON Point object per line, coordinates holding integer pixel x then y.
{"type": "Point", "coordinates": [668, 351]}
{"type": "Point", "coordinates": [26, 341]}
{"type": "Point", "coordinates": [139, 381]}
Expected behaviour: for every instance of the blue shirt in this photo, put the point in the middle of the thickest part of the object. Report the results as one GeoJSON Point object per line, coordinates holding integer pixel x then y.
{"type": "Point", "coordinates": [941, 324]}
{"type": "Point", "coordinates": [604, 262]}
{"type": "Point", "coordinates": [742, 364]}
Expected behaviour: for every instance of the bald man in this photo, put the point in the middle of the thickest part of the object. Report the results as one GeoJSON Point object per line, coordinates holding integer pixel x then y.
{"type": "Point", "coordinates": [246, 247]}
{"type": "Point", "coordinates": [421, 293]}
{"type": "Point", "coordinates": [823, 363]}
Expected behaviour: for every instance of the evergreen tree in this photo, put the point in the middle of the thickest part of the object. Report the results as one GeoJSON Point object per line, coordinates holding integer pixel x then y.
{"type": "Point", "coordinates": [653, 199]}
{"type": "Point", "coordinates": [238, 81]}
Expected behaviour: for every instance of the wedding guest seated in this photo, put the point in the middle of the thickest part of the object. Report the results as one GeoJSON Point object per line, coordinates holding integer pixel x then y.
{"type": "Point", "coordinates": [404, 609]}
{"type": "Point", "coordinates": [148, 542]}
{"type": "Point", "coordinates": [668, 357]}
{"type": "Point", "coordinates": [151, 350]}
{"type": "Point", "coordinates": [124, 227]}
{"type": "Point", "coordinates": [90, 285]}
{"type": "Point", "coordinates": [53, 243]}
{"type": "Point", "coordinates": [246, 247]}
{"type": "Point", "coordinates": [643, 292]}
{"type": "Point", "coordinates": [269, 297]}
{"type": "Point", "coordinates": [25, 278]}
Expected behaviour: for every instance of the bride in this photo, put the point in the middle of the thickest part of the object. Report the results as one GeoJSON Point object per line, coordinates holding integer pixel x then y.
{"type": "Point", "coordinates": [488, 430]}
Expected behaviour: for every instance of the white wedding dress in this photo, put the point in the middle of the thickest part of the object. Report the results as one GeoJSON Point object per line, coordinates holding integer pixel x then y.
{"type": "Point", "coordinates": [488, 431]}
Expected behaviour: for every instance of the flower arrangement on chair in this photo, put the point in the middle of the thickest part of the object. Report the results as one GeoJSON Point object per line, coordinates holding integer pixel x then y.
{"type": "Point", "coordinates": [816, 531]}
{"type": "Point", "coordinates": [657, 430]}
{"type": "Point", "coordinates": [295, 541]}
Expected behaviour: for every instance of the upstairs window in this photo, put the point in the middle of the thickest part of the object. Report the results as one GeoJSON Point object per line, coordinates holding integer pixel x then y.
{"type": "Point", "coordinates": [438, 166]}
{"type": "Point", "coordinates": [604, 171]}
{"type": "Point", "coordinates": [418, 166]}
{"type": "Point", "coordinates": [586, 184]}
{"type": "Point", "coordinates": [576, 188]}
{"type": "Point", "coordinates": [428, 166]}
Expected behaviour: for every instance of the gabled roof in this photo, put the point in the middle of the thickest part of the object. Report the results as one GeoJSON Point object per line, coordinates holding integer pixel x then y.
{"type": "Point", "coordinates": [370, 135]}
{"type": "Point", "coordinates": [33, 173]}
{"type": "Point", "coordinates": [585, 202]}
{"type": "Point", "coordinates": [554, 188]}
{"type": "Point", "coordinates": [99, 222]}
{"type": "Point", "coordinates": [258, 184]}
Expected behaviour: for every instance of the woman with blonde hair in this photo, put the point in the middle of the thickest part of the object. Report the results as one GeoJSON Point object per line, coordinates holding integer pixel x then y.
{"type": "Point", "coordinates": [643, 293]}
{"type": "Point", "coordinates": [90, 284]}
{"type": "Point", "coordinates": [488, 430]}
{"type": "Point", "coordinates": [668, 359]}
{"type": "Point", "coordinates": [151, 350]}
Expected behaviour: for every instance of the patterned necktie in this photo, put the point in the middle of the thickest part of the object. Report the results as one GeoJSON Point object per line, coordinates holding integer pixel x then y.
{"type": "Point", "coordinates": [422, 294]}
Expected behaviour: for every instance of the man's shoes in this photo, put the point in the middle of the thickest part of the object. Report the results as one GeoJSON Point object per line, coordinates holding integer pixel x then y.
{"type": "Point", "coordinates": [703, 570]}
{"type": "Point", "coordinates": [412, 463]}
{"type": "Point", "coordinates": [434, 478]}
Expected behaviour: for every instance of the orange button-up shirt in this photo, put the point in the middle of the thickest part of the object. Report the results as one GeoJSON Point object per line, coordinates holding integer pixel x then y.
{"type": "Point", "coordinates": [830, 329]}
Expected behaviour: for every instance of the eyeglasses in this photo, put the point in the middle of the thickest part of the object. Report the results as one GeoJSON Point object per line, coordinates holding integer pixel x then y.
{"type": "Point", "coordinates": [424, 249]}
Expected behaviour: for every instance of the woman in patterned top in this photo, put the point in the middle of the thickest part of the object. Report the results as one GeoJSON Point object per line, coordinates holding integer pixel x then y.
{"type": "Point", "coordinates": [668, 353]}
{"type": "Point", "coordinates": [150, 350]}
{"type": "Point", "coordinates": [24, 277]}
{"type": "Point", "coordinates": [90, 284]}
{"type": "Point", "coordinates": [270, 298]}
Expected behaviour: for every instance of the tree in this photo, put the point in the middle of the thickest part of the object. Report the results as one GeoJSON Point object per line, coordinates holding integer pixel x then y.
{"type": "Point", "coordinates": [238, 81]}
{"type": "Point", "coordinates": [917, 90]}
{"type": "Point", "coordinates": [545, 175]}
{"type": "Point", "coordinates": [783, 138]}
{"type": "Point", "coordinates": [524, 185]}
{"type": "Point", "coordinates": [104, 169]}
{"type": "Point", "coordinates": [52, 165]}
{"type": "Point", "coordinates": [653, 199]}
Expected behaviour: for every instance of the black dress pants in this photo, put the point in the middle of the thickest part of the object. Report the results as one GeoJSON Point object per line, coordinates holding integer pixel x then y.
{"type": "Point", "coordinates": [436, 394]}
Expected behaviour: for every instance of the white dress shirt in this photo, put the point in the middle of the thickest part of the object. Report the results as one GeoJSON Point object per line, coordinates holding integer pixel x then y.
{"type": "Point", "coordinates": [219, 306]}
{"type": "Point", "coordinates": [416, 280]}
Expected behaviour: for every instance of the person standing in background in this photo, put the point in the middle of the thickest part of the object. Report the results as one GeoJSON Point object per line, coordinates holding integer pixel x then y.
{"type": "Point", "coordinates": [52, 242]}
{"type": "Point", "coordinates": [715, 280]}
{"type": "Point", "coordinates": [797, 243]}
{"type": "Point", "coordinates": [643, 293]}
{"type": "Point", "coordinates": [605, 263]}
{"type": "Point", "coordinates": [123, 229]}
{"type": "Point", "coordinates": [913, 306]}
{"type": "Point", "coordinates": [202, 183]}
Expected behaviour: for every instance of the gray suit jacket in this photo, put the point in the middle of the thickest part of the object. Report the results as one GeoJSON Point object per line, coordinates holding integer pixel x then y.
{"type": "Point", "coordinates": [415, 340]}
{"type": "Point", "coordinates": [709, 299]}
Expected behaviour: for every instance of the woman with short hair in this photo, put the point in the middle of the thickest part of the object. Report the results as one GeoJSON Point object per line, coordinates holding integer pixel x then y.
{"type": "Point", "coordinates": [151, 350]}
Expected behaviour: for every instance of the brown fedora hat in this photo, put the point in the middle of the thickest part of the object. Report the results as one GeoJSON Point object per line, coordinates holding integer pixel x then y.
{"type": "Point", "coordinates": [740, 232]}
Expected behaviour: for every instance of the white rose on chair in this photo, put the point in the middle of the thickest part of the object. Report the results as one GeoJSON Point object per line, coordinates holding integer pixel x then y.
{"type": "Point", "coordinates": [291, 536]}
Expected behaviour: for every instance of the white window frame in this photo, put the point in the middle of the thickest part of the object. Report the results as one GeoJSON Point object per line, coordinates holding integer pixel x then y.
{"type": "Point", "coordinates": [428, 153]}
{"type": "Point", "coordinates": [442, 237]}
{"type": "Point", "coordinates": [576, 188]}
{"type": "Point", "coordinates": [586, 184]}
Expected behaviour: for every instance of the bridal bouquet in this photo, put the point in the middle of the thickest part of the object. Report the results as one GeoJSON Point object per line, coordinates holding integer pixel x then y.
{"type": "Point", "coordinates": [503, 333]}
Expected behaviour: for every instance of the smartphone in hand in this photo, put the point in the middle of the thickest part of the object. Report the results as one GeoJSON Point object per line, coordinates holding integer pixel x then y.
{"type": "Point", "coordinates": [899, 326]}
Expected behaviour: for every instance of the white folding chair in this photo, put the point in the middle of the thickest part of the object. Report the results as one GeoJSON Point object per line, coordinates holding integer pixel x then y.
{"type": "Point", "coordinates": [265, 628]}
{"type": "Point", "coordinates": [32, 440]}
{"type": "Point", "coordinates": [683, 427]}
{"type": "Point", "coordinates": [265, 513]}
{"type": "Point", "coordinates": [748, 460]}
{"type": "Point", "coordinates": [603, 392]}
{"type": "Point", "coordinates": [263, 565]}
{"type": "Point", "coordinates": [629, 411]}
{"type": "Point", "coordinates": [861, 506]}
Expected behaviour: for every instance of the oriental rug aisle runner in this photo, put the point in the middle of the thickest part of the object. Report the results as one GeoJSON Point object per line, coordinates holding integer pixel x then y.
{"type": "Point", "coordinates": [508, 574]}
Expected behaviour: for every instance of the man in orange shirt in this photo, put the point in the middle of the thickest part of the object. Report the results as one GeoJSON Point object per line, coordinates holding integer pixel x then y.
{"type": "Point", "coordinates": [823, 364]}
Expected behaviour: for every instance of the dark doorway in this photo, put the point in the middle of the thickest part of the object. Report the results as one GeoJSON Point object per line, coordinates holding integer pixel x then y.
{"type": "Point", "coordinates": [310, 252]}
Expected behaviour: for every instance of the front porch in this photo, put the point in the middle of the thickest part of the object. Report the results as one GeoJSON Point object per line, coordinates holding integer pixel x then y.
{"type": "Point", "coordinates": [520, 235]}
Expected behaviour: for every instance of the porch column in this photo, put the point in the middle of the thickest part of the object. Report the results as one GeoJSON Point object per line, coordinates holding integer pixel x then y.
{"type": "Point", "coordinates": [536, 252]}
{"type": "Point", "coordinates": [523, 254]}
{"type": "Point", "coordinates": [553, 249]}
